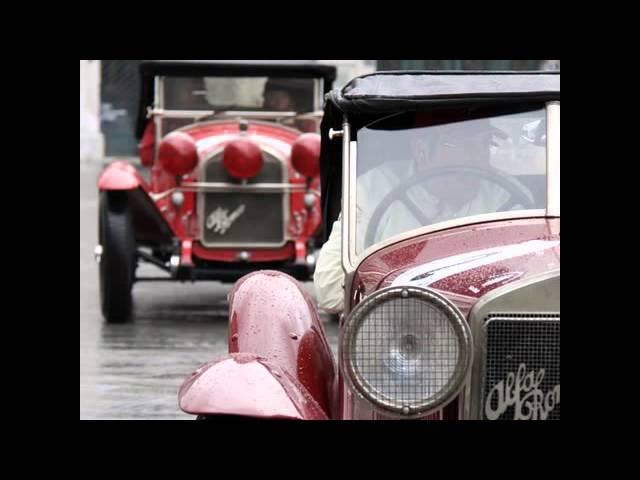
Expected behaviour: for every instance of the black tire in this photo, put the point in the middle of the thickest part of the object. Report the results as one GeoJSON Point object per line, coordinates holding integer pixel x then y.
{"type": "Point", "coordinates": [118, 259]}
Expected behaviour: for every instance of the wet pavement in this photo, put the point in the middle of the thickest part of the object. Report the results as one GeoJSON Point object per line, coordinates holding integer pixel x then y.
{"type": "Point", "coordinates": [134, 370]}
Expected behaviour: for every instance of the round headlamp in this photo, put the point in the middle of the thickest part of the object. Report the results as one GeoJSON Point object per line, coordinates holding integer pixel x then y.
{"type": "Point", "coordinates": [407, 350]}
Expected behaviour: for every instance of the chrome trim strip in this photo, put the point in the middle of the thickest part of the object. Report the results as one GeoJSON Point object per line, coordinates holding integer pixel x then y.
{"type": "Point", "coordinates": [348, 287]}
{"type": "Point", "coordinates": [318, 86]}
{"type": "Point", "coordinates": [553, 159]}
{"type": "Point", "coordinates": [353, 158]}
{"type": "Point", "coordinates": [159, 95]}
{"type": "Point", "coordinates": [158, 101]}
{"type": "Point", "coordinates": [348, 219]}
{"type": "Point", "coordinates": [462, 396]}
{"type": "Point", "coordinates": [161, 112]}
{"type": "Point", "coordinates": [346, 184]}
{"type": "Point", "coordinates": [233, 187]}
{"type": "Point", "coordinates": [158, 132]}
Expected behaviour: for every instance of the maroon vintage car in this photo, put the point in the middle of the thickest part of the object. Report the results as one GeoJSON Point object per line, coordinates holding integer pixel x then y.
{"type": "Point", "coordinates": [442, 201]}
{"type": "Point", "coordinates": [231, 183]}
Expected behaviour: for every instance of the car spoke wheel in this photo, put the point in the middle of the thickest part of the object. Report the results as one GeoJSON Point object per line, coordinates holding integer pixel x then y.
{"type": "Point", "coordinates": [118, 258]}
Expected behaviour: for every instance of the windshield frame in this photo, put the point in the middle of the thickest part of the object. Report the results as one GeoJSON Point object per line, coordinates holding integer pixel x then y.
{"type": "Point", "coordinates": [351, 259]}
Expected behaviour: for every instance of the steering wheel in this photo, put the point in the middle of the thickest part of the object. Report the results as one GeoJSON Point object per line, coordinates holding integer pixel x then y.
{"type": "Point", "coordinates": [518, 195]}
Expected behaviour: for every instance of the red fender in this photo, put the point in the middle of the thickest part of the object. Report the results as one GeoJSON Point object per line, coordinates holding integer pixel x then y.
{"type": "Point", "coordinates": [120, 175]}
{"type": "Point", "coordinates": [245, 384]}
{"type": "Point", "coordinates": [273, 317]}
{"type": "Point", "coordinates": [149, 225]}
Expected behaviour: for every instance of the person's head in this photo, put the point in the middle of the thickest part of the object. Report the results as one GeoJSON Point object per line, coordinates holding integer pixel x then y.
{"type": "Point", "coordinates": [279, 100]}
{"type": "Point", "coordinates": [287, 94]}
{"type": "Point", "coordinates": [456, 143]}
{"type": "Point", "coordinates": [465, 143]}
{"type": "Point", "coordinates": [451, 138]}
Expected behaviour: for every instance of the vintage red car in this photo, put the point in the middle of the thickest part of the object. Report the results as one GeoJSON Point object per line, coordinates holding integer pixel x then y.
{"type": "Point", "coordinates": [442, 201]}
{"type": "Point", "coordinates": [231, 150]}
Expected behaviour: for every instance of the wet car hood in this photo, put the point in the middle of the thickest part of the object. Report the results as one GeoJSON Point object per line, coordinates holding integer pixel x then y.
{"type": "Point", "coordinates": [467, 262]}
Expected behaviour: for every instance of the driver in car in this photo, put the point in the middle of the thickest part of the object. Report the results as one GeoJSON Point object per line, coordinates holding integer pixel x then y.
{"type": "Point", "coordinates": [432, 200]}
{"type": "Point", "coordinates": [283, 94]}
{"type": "Point", "coordinates": [291, 95]}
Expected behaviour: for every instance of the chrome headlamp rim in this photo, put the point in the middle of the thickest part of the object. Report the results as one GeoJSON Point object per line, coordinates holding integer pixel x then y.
{"type": "Point", "coordinates": [361, 387]}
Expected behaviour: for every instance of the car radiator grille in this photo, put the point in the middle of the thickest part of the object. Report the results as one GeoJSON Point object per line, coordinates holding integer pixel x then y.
{"type": "Point", "coordinates": [521, 379]}
{"type": "Point", "coordinates": [240, 219]}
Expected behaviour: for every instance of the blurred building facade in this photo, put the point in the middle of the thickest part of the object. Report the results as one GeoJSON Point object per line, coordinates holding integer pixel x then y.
{"type": "Point", "coordinates": [91, 137]}
{"type": "Point", "coordinates": [109, 93]}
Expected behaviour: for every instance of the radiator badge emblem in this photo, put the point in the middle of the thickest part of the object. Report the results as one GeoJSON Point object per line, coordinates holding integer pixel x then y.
{"type": "Point", "coordinates": [220, 220]}
{"type": "Point", "coordinates": [522, 391]}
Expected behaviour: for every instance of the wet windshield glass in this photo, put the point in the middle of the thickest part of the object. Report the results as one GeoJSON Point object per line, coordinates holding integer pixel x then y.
{"type": "Point", "coordinates": [418, 169]}
{"type": "Point", "coordinates": [239, 93]}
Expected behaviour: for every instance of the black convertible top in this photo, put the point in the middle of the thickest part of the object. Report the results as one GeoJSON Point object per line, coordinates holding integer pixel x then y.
{"type": "Point", "coordinates": [232, 68]}
{"type": "Point", "coordinates": [369, 97]}
{"type": "Point", "coordinates": [149, 69]}
{"type": "Point", "coordinates": [392, 91]}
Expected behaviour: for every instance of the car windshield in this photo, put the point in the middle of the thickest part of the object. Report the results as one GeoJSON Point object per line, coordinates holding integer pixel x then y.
{"type": "Point", "coordinates": [220, 94]}
{"type": "Point", "coordinates": [421, 168]}
{"type": "Point", "coordinates": [240, 93]}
